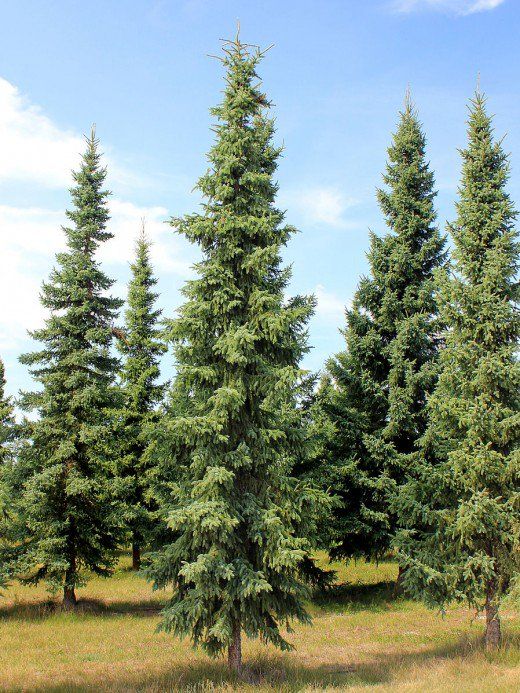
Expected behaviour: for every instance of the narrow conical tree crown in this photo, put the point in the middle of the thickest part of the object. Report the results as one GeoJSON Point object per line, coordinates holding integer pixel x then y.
{"type": "Point", "coordinates": [141, 349]}
{"type": "Point", "coordinates": [67, 517]}
{"type": "Point", "coordinates": [465, 508]}
{"type": "Point", "coordinates": [237, 512]}
{"type": "Point", "coordinates": [383, 377]}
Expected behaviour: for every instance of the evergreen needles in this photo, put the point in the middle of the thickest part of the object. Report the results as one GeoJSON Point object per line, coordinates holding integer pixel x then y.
{"type": "Point", "coordinates": [375, 411]}
{"type": "Point", "coordinates": [243, 525]}
{"type": "Point", "coordinates": [462, 506]}
{"type": "Point", "coordinates": [64, 508]}
{"type": "Point", "coordinates": [141, 348]}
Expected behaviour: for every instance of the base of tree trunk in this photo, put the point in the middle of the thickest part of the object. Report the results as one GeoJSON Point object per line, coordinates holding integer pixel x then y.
{"type": "Point", "coordinates": [493, 636]}
{"type": "Point", "coordinates": [398, 587]}
{"type": "Point", "coordinates": [69, 598]}
{"type": "Point", "coordinates": [235, 651]}
{"type": "Point", "coordinates": [136, 557]}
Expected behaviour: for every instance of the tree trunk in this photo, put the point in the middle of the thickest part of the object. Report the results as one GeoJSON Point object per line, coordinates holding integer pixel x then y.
{"type": "Point", "coordinates": [493, 635]}
{"type": "Point", "coordinates": [69, 598]}
{"type": "Point", "coordinates": [398, 587]}
{"type": "Point", "coordinates": [136, 556]}
{"type": "Point", "coordinates": [235, 650]}
{"type": "Point", "coordinates": [69, 594]}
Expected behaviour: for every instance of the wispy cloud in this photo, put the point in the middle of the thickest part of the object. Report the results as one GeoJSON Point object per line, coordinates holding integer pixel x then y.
{"type": "Point", "coordinates": [459, 7]}
{"type": "Point", "coordinates": [35, 149]}
{"type": "Point", "coordinates": [31, 237]}
{"type": "Point", "coordinates": [319, 206]}
{"type": "Point", "coordinates": [166, 252]}
{"type": "Point", "coordinates": [330, 308]}
{"type": "Point", "coordinates": [37, 158]}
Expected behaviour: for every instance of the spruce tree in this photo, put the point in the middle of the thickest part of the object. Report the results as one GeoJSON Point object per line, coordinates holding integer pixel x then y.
{"type": "Point", "coordinates": [241, 520]}
{"type": "Point", "coordinates": [376, 403]}
{"type": "Point", "coordinates": [68, 522]}
{"type": "Point", "coordinates": [462, 539]}
{"type": "Point", "coordinates": [141, 348]}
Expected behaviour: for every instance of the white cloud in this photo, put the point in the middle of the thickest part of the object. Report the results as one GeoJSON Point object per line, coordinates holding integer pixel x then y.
{"type": "Point", "coordinates": [460, 7]}
{"type": "Point", "coordinates": [318, 206]}
{"type": "Point", "coordinates": [32, 147]}
{"type": "Point", "coordinates": [167, 252]}
{"type": "Point", "coordinates": [330, 308]}
{"type": "Point", "coordinates": [26, 237]}
{"type": "Point", "coordinates": [30, 238]}
{"type": "Point", "coordinates": [37, 158]}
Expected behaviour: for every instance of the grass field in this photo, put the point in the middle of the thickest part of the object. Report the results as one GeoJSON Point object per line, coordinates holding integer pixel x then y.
{"type": "Point", "coordinates": [362, 638]}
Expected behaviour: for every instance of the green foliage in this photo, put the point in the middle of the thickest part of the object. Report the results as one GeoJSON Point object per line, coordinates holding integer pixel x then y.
{"type": "Point", "coordinates": [243, 525]}
{"type": "Point", "coordinates": [7, 441]}
{"type": "Point", "coordinates": [141, 347]}
{"type": "Point", "coordinates": [372, 412]}
{"type": "Point", "coordinates": [463, 506]}
{"type": "Point", "coordinates": [64, 518]}
{"type": "Point", "coordinates": [7, 423]}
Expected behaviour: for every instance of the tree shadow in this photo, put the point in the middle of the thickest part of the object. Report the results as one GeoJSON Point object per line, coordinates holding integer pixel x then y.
{"type": "Point", "coordinates": [39, 611]}
{"type": "Point", "coordinates": [352, 597]}
{"type": "Point", "coordinates": [338, 598]}
{"type": "Point", "coordinates": [279, 672]}
{"type": "Point", "coordinates": [355, 597]}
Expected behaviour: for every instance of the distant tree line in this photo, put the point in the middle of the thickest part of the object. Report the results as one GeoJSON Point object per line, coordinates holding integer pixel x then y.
{"type": "Point", "coordinates": [226, 480]}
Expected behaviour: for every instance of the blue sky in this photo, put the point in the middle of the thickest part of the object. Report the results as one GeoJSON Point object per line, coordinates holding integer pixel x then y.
{"type": "Point", "coordinates": [140, 70]}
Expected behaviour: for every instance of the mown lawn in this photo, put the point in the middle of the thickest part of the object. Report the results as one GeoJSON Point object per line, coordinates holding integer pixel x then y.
{"type": "Point", "coordinates": [362, 638]}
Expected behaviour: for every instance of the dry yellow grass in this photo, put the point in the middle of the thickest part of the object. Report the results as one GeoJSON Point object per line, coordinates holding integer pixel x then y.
{"type": "Point", "coordinates": [361, 639]}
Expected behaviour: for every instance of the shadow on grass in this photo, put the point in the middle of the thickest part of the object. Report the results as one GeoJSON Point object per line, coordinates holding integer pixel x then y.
{"type": "Point", "coordinates": [339, 598]}
{"type": "Point", "coordinates": [357, 597]}
{"type": "Point", "coordinates": [39, 611]}
{"type": "Point", "coordinates": [282, 673]}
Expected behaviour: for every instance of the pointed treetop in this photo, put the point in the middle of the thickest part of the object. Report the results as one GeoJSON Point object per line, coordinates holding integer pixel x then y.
{"type": "Point", "coordinates": [408, 102]}
{"type": "Point", "coordinates": [142, 236]}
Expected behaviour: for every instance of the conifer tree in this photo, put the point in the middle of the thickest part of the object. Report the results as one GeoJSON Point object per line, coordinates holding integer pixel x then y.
{"type": "Point", "coordinates": [462, 539]}
{"type": "Point", "coordinates": [141, 348]}
{"type": "Point", "coordinates": [68, 522]}
{"type": "Point", "coordinates": [242, 522]}
{"type": "Point", "coordinates": [381, 381]}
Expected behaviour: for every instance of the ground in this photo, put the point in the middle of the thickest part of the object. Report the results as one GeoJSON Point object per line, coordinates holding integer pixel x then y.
{"type": "Point", "coordinates": [362, 638]}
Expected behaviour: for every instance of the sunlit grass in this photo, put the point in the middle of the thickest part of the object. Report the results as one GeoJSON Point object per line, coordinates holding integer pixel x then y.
{"type": "Point", "coordinates": [361, 637]}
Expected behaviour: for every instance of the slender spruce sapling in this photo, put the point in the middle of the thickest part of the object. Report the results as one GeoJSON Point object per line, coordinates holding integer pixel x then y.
{"type": "Point", "coordinates": [141, 349]}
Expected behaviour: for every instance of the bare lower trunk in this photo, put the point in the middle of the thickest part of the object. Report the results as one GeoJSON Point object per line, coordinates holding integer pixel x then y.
{"type": "Point", "coordinates": [493, 635]}
{"type": "Point", "coordinates": [136, 556]}
{"type": "Point", "coordinates": [69, 598]}
{"type": "Point", "coordinates": [398, 587]}
{"type": "Point", "coordinates": [69, 594]}
{"type": "Point", "coordinates": [235, 650]}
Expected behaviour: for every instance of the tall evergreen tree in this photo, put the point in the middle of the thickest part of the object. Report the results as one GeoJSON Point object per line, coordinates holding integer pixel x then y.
{"type": "Point", "coordinates": [141, 348]}
{"type": "Point", "coordinates": [67, 520]}
{"type": "Point", "coordinates": [380, 382]}
{"type": "Point", "coordinates": [238, 515]}
{"type": "Point", "coordinates": [463, 505]}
